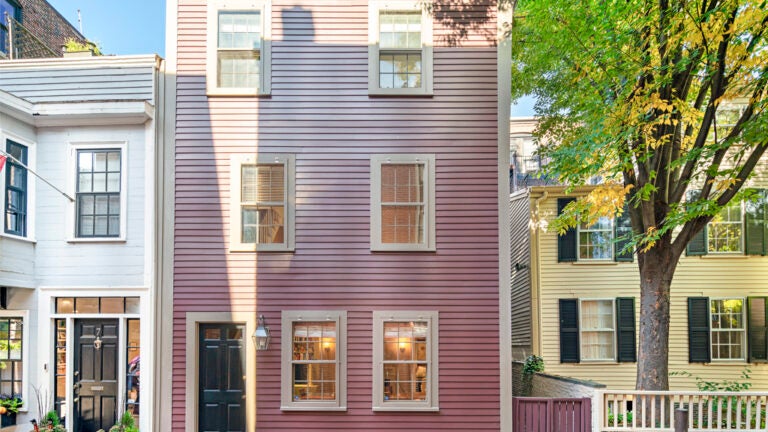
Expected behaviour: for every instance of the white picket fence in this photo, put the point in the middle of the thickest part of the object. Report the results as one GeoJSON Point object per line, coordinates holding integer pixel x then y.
{"type": "Point", "coordinates": [654, 411]}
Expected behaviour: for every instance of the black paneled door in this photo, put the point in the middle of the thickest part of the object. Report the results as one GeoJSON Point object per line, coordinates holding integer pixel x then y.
{"type": "Point", "coordinates": [96, 345]}
{"type": "Point", "coordinates": [221, 378]}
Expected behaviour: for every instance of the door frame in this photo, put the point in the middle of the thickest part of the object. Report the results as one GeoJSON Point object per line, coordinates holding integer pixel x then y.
{"type": "Point", "coordinates": [120, 371]}
{"type": "Point", "coordinates": [193, 321]}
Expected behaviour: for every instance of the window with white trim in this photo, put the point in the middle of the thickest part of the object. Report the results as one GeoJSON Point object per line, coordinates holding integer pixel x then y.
{"type": "Point", "coordinates": [596, 240]}
{"type": "Point", "coordinates": [725, 232]}
{"type": "Point", "coordinates": [598, 330]}
{"type": "Point", "coordinates": [405, 361]}
{"type": "Point", "coordinates": [16, 188]}
{"type": "Point", "coordinates": [239, 47]}
{"type": "Point", "coordinates": [400, 48]}
{"type": "Point", "coordinates": [11, 355]}
{"type": "Point", "coordinates": [314, 360]}
{"type": "Point", "coordinates": [403, 202]}
{"type": "Point", "coordinates": [98, 198]}
{"type": "Point", "coordinates": [728, 330]}
{"type": "Point", "coordinates": [262, 198]}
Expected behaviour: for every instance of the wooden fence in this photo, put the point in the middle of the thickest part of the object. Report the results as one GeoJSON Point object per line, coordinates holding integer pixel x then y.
{"type": "Point", "coordinates": [551, 415]}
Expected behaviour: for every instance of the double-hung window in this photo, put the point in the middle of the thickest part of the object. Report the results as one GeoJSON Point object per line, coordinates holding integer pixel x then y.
{"type": "Point", "coordinates": [403, 202]}
{"type": "Point", "coordinates": [238, 47]}
{"type": "Point", "coordinates": [314, 357]}
{"type": "Point", "coordinates": [400, 53]}
{"type": "Point", "coordinates": [16, 189]}
{"type": "Point", "coordinates": [11, 355]}
{"type": "Point", "coordinates": [596, 240]}
{"type": "Point", "coordinates": [98, 193]}
{"type": "Point", "coordinates": [405, 359]}
{"type": "Point", "coordinates": [725, 230]}
{"type": "Point", "coordinates": [719, 328]}
{"type": "Point", "coordinates": [13, 10]}
{"type": "Point", "coordinates": [606, 239]}
{"type": "Point", "coordinates": [262, 211]}
{"type": "Point", "coordinates": [597, 330]}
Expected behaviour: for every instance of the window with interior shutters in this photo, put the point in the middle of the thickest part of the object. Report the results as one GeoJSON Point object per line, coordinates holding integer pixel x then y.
{"type": "Point", "coordinates": [597, 330]}
{"type": "Point", "coordinates": [262, 202]}
{"type": "Point", "coordinates": [402, 202]}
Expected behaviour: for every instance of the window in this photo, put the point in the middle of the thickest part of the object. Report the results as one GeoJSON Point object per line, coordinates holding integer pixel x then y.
{"type": "Point", "coordinates": [400, 49]}
{"type": "Point", "coordinates": [405, 359]}
{"type": "Point", "coordinates": [594, 330]}
{"type": "Point", "coordinates": [16, 188]}
{"type": "Point", "coordinates": [403, 203]}
{"type": "Point", "coordinates": [718, 329]}
{"type": "Point", "coordinates": [739, 228]}
{"type": "Point", "coordinates": [98, 199]}
{"type": "Point", "coordinates": [11, 351]}
{"type": "Point", "coordinates": [12, 10]}
{"type": "Point", "coordinates": [604, 240]}
{"type": "Point", "coordinates": [598, 333]}
{"type": "Point", "coordinates": [314, 350]}
{"type": "Point", "coordinates": [262, 202]}
{"type": "Point", "coordinates": [133, 367]}
{"type": "Point", "coordinates": [239, 47]}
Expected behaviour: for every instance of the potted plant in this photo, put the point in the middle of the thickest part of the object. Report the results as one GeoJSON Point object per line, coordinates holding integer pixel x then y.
{"type": "Point", "coordinates": [9, 407]}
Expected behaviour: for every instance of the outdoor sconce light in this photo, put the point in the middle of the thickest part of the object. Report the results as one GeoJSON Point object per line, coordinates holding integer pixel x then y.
{"type": "Point", "coordinates": [261, 336]}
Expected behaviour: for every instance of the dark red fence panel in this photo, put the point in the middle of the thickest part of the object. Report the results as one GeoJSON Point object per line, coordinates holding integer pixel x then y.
{"type": "Point", "coordinates": [551, 415]}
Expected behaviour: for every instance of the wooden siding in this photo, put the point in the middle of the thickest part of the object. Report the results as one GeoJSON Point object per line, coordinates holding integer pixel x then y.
{"type": "Point", "coordinates": [320, 110]}
{"type": "Point", "coordinates": [76, 80]}
{"type": "Point", "coordinates": [712, 276]}
{"type": "Point", "coordinates": [520, 231]}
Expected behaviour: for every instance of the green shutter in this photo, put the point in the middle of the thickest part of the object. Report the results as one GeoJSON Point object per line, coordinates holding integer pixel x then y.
{"type": "Point", "coordinates": [757, 329]}
{"type": "Point", "coordinates": [698, 330]}
{"type": "Point", "coordinates": [569, 331]}
{"type": "Point", "coordinates": [698, 244]}
{"type": "Point", "coordinates": [756, 224]}
{"type": "Point", "coordinates": [566, 243]}
{"type": "Point", "coordinates": [625, 329]}
{"type": "Point", "coordinates": [622, 232]}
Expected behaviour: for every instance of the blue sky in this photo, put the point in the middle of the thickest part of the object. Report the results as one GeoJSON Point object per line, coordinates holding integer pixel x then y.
{"type": "Point", "coordinates": [119, 27]}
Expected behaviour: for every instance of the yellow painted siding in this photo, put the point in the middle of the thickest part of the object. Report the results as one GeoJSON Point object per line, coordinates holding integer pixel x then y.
{"type": "Point", "coordinates": [732, 276]}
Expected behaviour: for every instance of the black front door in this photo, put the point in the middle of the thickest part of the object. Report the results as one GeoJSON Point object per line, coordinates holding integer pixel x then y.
{"type": "Point", "coordinates": [95, 377]}
{"type": "Point", "coordinates": [221, 378]}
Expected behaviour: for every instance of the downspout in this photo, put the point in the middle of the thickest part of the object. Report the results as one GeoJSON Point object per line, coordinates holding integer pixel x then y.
{"type": "Point", "coordinates": [536, 274]}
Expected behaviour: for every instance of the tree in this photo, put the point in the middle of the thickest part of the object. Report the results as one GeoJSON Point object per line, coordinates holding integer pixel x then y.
{"type": "Point", "coordinates": [637, 92]}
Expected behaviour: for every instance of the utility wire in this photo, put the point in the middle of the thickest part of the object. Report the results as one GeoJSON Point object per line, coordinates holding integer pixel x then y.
{"type": "Point", "coordinates": [18, 162]}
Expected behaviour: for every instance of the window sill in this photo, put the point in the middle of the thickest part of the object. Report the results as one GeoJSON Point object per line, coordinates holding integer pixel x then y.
{"type": "Point", "coordinates": [403, 249]}
{"type": "Point", "coordinates": [733, 255]}
{"type": "Point", "coordinates": [257, 249]}
{"type": "Point", "coordinates": [244, 92]}
{"type": "Point", "coordinates": [19, 238]}
{"type": "Point", "coordinates": [405, 409]}
{"type": "Point", "coordinates": [408, 93]}
{"type": "Point", "coordinates": [313, 408]}
{"type": "Point", "coordinates": [97, 240]}
{"type": "Point", "coordinates": [596, 262]}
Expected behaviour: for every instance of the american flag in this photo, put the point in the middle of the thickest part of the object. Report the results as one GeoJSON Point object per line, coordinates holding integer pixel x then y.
{"type": "Point", "coordinates": [2, 162]}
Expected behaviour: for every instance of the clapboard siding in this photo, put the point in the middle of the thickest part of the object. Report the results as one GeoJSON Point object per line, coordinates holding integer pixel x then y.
{"type": "Point", "coordinates": [711, 276]}
{"type": "Point", "coordinates": [126, 81]}
{"type": "Point", "coordinates": [520, 233]}
{"type": "Point", "coordinates": [320, 111]}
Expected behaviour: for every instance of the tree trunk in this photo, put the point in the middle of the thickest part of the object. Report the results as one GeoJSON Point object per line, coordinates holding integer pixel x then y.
{"type": "Point", "coordinates": [657, 266]}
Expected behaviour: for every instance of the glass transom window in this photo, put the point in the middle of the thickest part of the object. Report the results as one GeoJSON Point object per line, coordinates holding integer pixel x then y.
{"type": "Point", "coordinates": [314, 361]}
{"type": "Point", "coordinates": [728, 329]}
{"type": "Point", "coordinates": [598, 340]}
{"type": "Point", "coordinates": [239, 49]}
{"type": "Point", "coordinates": [98, 193]}
{"type": "Point", "coordinates": [596, 240]}
{"type": "Point", "coordinates": [400, 54]}
{"type": "Point", "coordinates": [725, 231]}
{"type": "Point", "coordinates": [263, 200]}
{"type": "Point", "coordinates": [402, 203]}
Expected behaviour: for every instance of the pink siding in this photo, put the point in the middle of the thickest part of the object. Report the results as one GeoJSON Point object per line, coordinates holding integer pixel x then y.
{"type": "Point", "coordinates": [320, 110]}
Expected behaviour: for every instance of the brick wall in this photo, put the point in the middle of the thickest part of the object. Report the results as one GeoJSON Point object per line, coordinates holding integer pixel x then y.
{"type": "Point", "coordinates": [47, 24]}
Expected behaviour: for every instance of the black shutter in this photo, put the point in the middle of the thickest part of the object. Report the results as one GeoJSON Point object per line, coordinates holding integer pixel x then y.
{"type": "Point", "coordinates": [757, 311]}
{"type": "Point", "coordinates": [756, 224]}
{"type": "Point", "coordinates": [622, 231]}
{"type": "Point", "coordinates": [698, 244]}
{"type": "Point", "coordinates": [625, 329]}
{"type": "Point", "coordinates": [569, 331]}
{"type": "Point", "coordinates": [566, 243]}
{"type": "Point", "coordinates": [698, 330]}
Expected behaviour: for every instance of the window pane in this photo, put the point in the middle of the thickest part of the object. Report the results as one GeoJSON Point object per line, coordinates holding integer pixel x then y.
{"type": "Point", "coordinates": [400, 30]}
{"type": "Point", "coordinates": [112, 305]}
{"type": "Point", "coordinates": [725, 231]}
{"type": "Point", "coordinates": [597, 330]}
{"type": "Point", "coordinates": [314, 361]}
{"type": "Point", "coordinates": [132, 305]}
{"type": "Point", "coordinates": [87, 305]}
{"type": "Point", "coordinates": [65, 305]}
{"type": "Point", "coordinates": [238, 69]}
{"type": "Point", "coordinates": [402, 224]}
{"type": "Point", "coordinates": [728, 330]}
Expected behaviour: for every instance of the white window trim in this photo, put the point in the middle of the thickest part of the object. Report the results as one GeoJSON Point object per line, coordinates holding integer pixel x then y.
{"type": "Point", "coordinates": [31, 186]}
{"type": "Point", "coordinates": [265, 61]}
{"type": "Point", "coordinates": [744, 331]}
{"type": "Point", "coordinates": [428, 160]}
{"type": "Point", "coordinates": [432, 401]}
{"type": "Point", "coordinates": [374, 9]}
{"type": "Point", "coordinates": [741, 250]}
{"type": "Point", "coordinates": [25, 348]}
{"type": "Point", "coordinates": [235, 218]}
{"type": "Point", "coordinates": [71, 219]}
{"type": "Point", "coordinates": [581, 330]}
{"type": "Point", "coordinates": [286, 343]}
{"type": "Point", "coordinates": [611, 258]}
